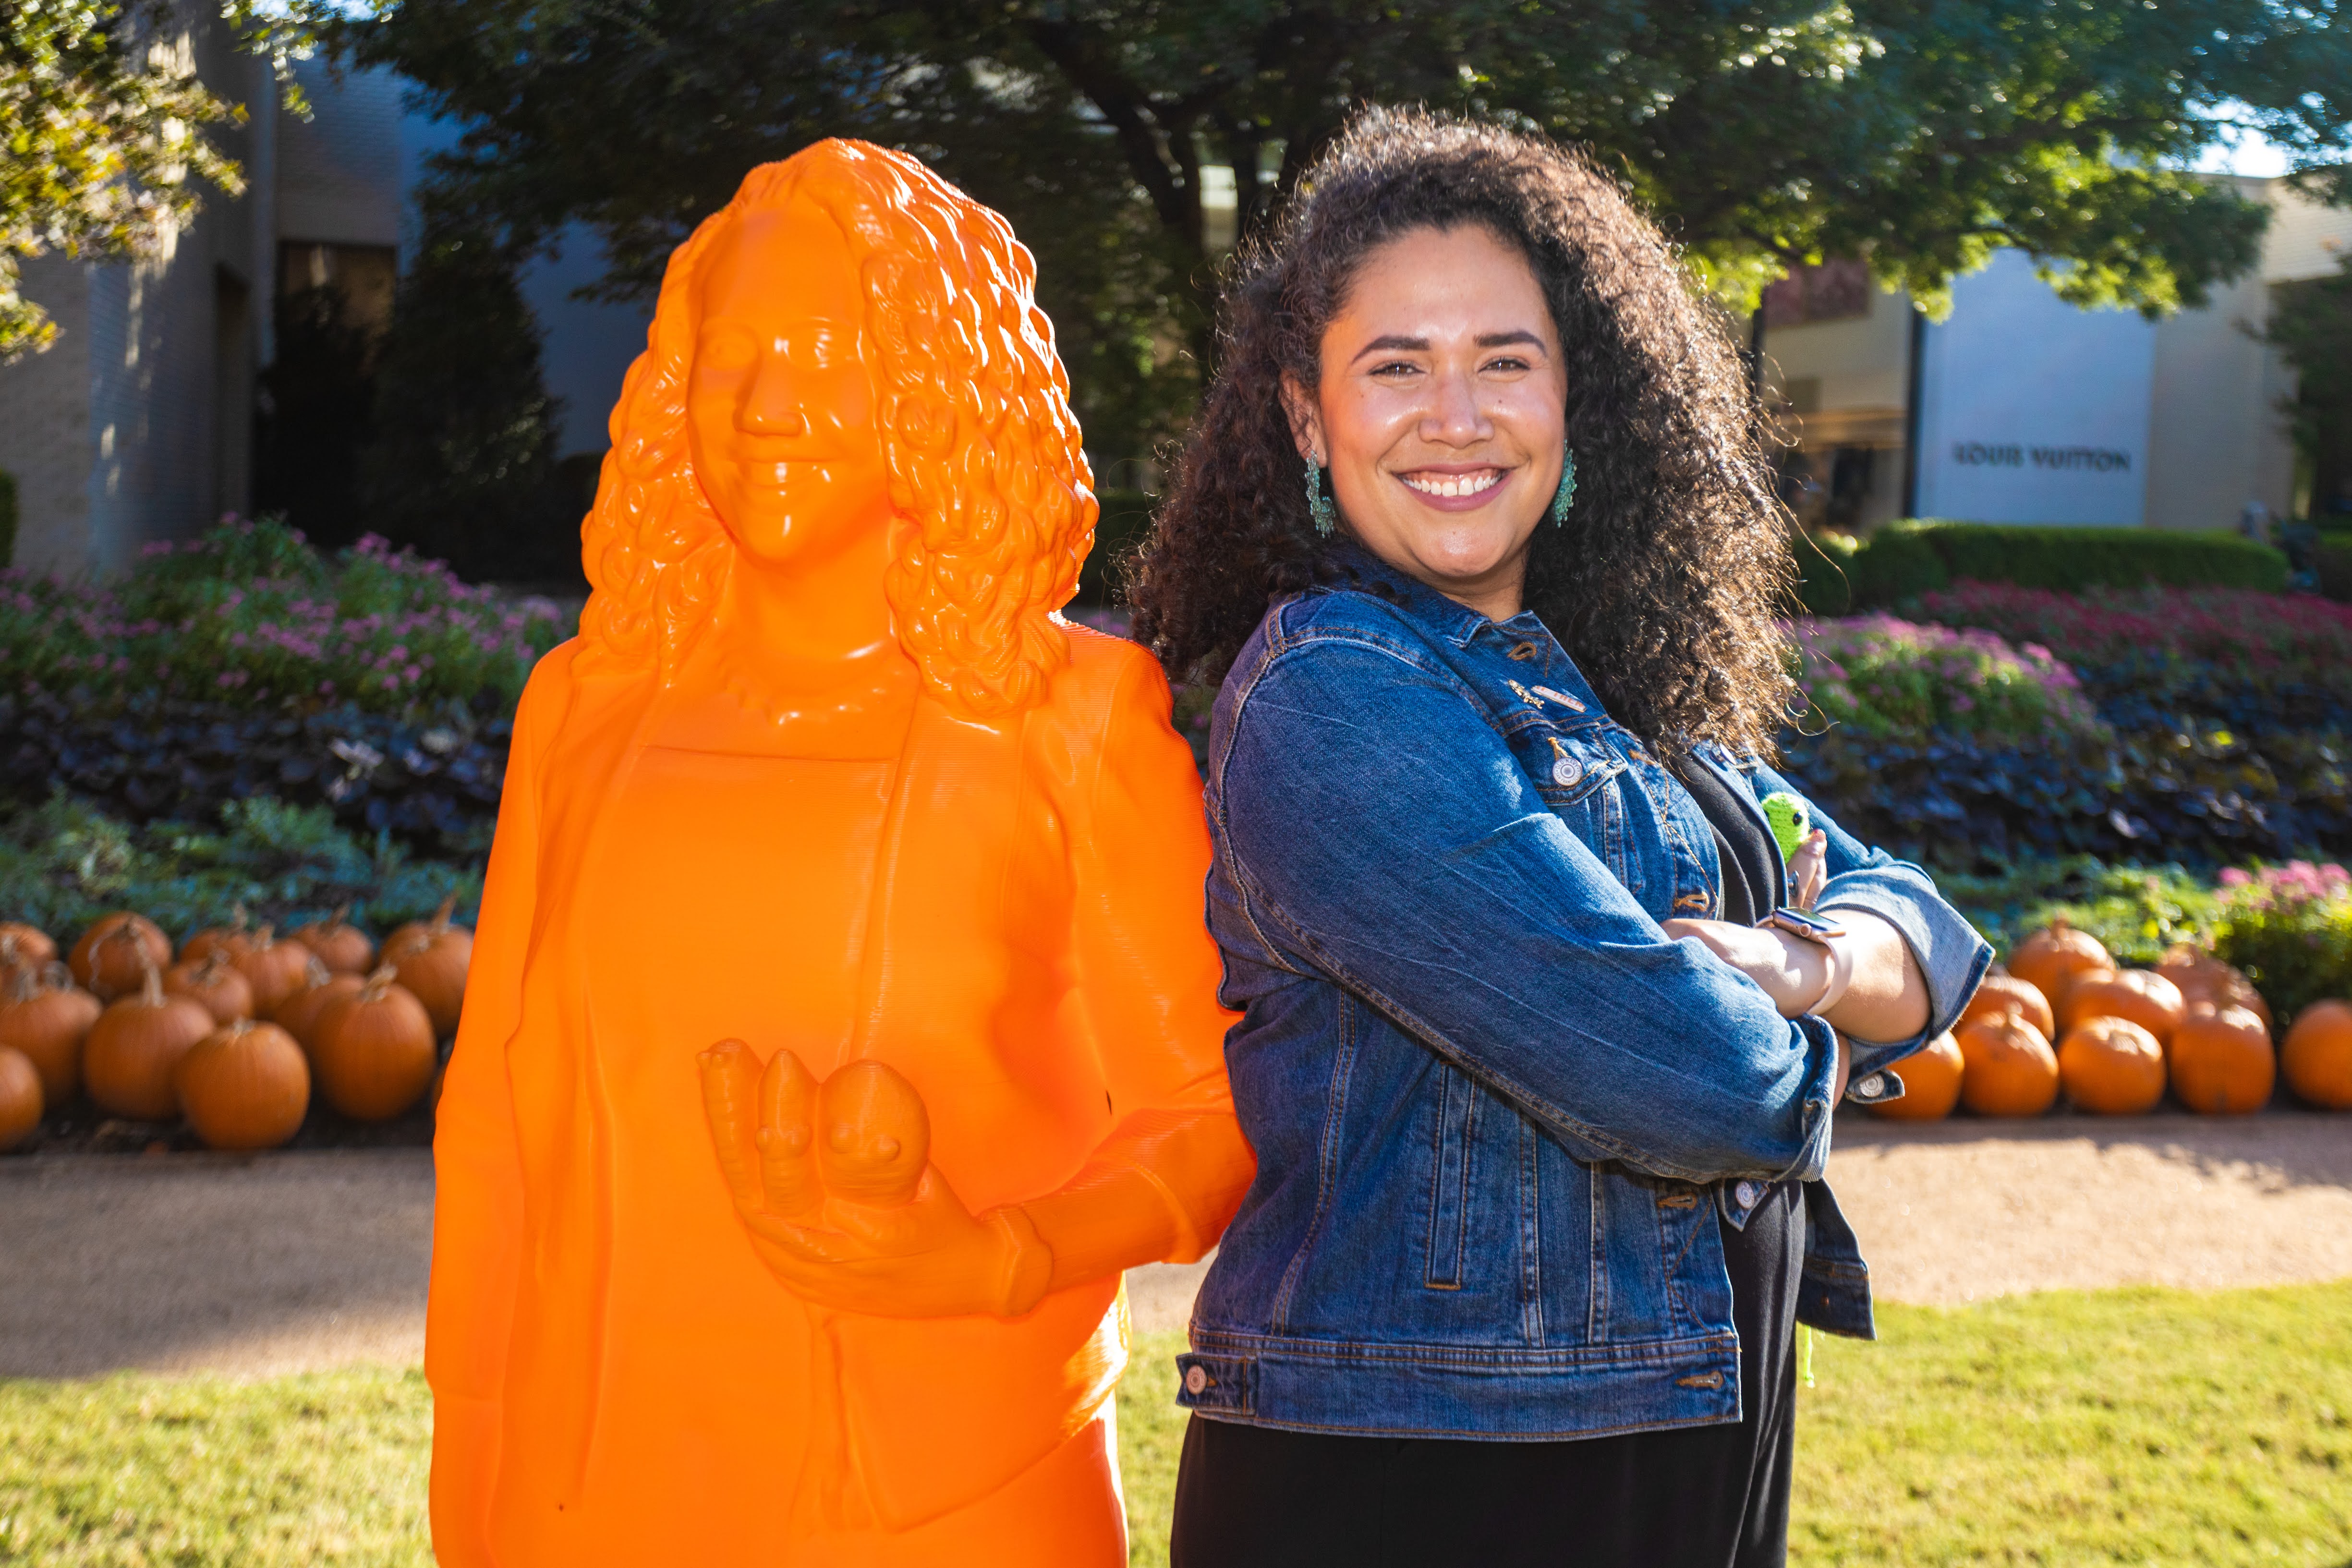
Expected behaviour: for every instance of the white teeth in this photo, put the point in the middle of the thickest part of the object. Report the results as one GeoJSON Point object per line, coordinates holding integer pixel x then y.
{"type": "Point", "coordinates": [1464, 485]}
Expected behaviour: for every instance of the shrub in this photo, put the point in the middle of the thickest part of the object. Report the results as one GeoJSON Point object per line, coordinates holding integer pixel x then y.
{"type": "Point", "coordinates": [2290, 928]}
{"type": "Point", "coordinates": [1908, 559]}
{"type": "Point", "coordinates": [2134, 911]}
{"type": "Point", "coordinates": [2202, 797]}
{"type": "Point", "coordinates": [1126, 518]}
{"type": "Point", "coordinates": [1880, 677]}
{"type": "Point", "coordinates": [7, 517]}
{"type": "Point", "coordinates": [2258, 662]}
{"type": "Point", "coordinates": [249, 614]}
{"type": "Point", "coordinates": [65, 862]}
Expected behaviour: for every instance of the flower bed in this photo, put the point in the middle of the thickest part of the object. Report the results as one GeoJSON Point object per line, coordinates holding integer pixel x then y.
{"type": "Point", "coordinates": [1881, 677]}
{"type": "Point", "coordinates": [252, 615]}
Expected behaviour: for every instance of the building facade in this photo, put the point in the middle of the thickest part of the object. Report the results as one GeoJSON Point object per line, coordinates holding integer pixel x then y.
{"type": "Point", "coordinates": [2020, 408]}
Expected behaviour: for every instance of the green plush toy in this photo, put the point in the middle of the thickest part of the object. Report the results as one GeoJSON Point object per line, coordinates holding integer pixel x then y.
{"type": "Point", "coordinates": [1792, 824]}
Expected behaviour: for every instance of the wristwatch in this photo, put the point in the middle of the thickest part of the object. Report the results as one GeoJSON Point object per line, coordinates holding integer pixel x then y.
{"type": "Point", "coordinates": [1811, 927]}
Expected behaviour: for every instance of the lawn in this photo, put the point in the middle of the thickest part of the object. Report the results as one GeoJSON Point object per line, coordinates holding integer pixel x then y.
{"type": "Point", "coordinates": [2141, 1427]}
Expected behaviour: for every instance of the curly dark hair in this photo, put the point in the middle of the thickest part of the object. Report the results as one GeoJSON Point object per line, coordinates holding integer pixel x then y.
{"type": "Point", "coordinates": [1667, 584]}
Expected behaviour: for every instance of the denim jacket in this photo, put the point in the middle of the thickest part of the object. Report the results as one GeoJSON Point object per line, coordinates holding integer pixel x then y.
{"type": "Point", "coordinates": [1497, 1110]}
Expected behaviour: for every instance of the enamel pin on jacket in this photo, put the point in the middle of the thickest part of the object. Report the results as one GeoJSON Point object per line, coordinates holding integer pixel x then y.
{"type": "Point", "coordinates": [842, 1020]}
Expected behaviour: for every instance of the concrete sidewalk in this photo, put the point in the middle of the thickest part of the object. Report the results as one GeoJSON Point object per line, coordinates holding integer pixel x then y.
{"type": "Point", "coordinates": [262, 1264]}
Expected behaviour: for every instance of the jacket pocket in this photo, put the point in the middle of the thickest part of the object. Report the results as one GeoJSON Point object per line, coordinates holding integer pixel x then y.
{"type": "Point", "coordinates": [1454, 1142]}
{"type": "Point", "coordinates": [1581, 779]}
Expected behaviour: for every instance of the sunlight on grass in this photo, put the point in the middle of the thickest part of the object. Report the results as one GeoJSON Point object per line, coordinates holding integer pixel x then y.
{"type": "Point", "coordinates": [2140, 1427]}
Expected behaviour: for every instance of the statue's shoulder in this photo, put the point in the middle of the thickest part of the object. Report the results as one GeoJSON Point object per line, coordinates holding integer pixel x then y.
{"type": "Point", "coordinates": [1105, 675]}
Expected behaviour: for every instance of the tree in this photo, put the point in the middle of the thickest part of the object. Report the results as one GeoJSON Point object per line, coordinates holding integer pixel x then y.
{"type": "Point", "coordinates": [461, 463]}
{"type": "Point", "coordinates": [1919, 134]}
{"type": "Point", "coordinates": [103, 123]}
{"type": "Point", "coordinates": [2311, 325]}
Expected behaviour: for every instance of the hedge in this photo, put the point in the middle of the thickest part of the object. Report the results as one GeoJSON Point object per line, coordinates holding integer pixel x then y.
{"type": "Point", "coordinates": [1909, 558]}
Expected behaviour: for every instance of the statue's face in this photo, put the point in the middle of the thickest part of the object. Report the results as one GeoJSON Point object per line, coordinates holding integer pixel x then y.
{"type": "Point", "coordinates": [780, 408]}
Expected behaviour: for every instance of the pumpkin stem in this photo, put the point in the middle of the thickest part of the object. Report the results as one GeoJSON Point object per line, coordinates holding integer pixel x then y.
{"type": "Point", "coordinates": [341, 918]}
{"type": "Point", "coordinates": [153, 991]}
{"type": "Point", "coordinates": [208, 972]}
{"type": "Point", "coordinates": [441, 916]}
{"type": "Point", "coordinates": [372, 990]}
{"type": "Point", "coordinates": [314, 973]}
{"type": "Point", "coordinates": [55, 977]}
{"type": "Point", "coordinates": [236, 916]}
{"type": "Point", "coordinates": [263, 938]}
{"type": "Point", "coordinates": [23, 984]}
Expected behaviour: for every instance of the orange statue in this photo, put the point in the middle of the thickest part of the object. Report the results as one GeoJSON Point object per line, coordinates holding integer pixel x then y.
{"type": "Point", "coordinates": [842, 1019]}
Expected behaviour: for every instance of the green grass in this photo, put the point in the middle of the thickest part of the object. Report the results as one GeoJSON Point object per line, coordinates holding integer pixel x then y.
{"type": "Point", "coordinates": [2121, 1426]}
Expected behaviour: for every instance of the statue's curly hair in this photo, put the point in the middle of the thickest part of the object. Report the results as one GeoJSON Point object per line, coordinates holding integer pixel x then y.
{"type": "Point", "coordinates": [973, 406]}
{"type": "Point", "coordinates": [1666, 583]}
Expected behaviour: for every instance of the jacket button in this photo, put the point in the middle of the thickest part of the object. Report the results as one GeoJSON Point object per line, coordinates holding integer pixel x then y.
{"type": "Point", "coordinates": [1195, 1379]}
{"type": "Point", "coordinates": [1871, 1088]}
{"type": "Point", "coordinates": [1746, 1194]}
{"type": "Point", "coordinates": [1566, 771]}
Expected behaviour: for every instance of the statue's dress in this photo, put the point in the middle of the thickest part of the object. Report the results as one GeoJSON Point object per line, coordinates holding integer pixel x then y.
{"type": "Point", "coordinates": [1009, 914]}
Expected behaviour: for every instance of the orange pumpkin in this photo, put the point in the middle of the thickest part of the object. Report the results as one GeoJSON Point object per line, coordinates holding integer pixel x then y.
{"type": "Point", "coordinates": [115, 952]}
{"type": "Point", "coordinates": [214, 981]}
{"type": "Point", "coordinates": [2318, 1057]}
{"type": "Point", "coordinates": [136, 1045]}
{"type": "Point", "coordinates": [2003, 992]}
{"type": "Point", "coordinates": [24, 947]}
{"type": "Point", "coordinates": [343, 948]}
{"type": "Point", "coordinates": [245, 1086]}
{"type": "Point", "coordinates": [298, 1014]}
{"type": "Point", "coordinates": [21, 1102]}
{"type": "Point", "coordinates": [2007, 1068]}
{"type": "Point", "coordinates": [232, 939]}
{"type": "Point", "coordinates": [2112, 1066]}
{"type": "Point", "coordinates": [432, 959]}
{"type": "Point", "coordinates": [47, 1018]}
{"type": "Point", "coordinates": [1931, 1082]}
{"type": "Point", "coordinates": [2048, 960]}
{"type": "Point", "coordinates": [2192, 969]}
{"type": "Point", "coordinates": [274, 970]}
{"type": "Point", "coordinates": [374, 1050]}
{"type": "Point", "coordinates": [2142, 996]}
{"type": "Point", "coordinates": [2221, 1062]}
{"type": "Point", "coordinates": [2230, 990]}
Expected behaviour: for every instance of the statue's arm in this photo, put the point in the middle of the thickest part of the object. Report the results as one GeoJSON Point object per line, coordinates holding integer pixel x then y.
{"type": "Point", "coordinates": [477, 1174]}
{"type": "Point", "coordinates": [1162, 1186]}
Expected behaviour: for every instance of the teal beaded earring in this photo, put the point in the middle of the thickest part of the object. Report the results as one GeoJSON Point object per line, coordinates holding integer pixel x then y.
{"type": "Point", "coordinates": [1567, 496]}
{"type": "Point", "coordinates": [1318, 504]}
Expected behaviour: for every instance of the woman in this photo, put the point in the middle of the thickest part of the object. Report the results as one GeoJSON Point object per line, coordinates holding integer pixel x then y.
{"type": "Point", "coordinates": [1477, 527]}
{"type": "Point", "coordinates": [824, 773]}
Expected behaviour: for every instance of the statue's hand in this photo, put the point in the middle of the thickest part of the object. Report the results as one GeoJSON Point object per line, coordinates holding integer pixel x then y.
{"type": "Point", "coordinates": [880, 1233]}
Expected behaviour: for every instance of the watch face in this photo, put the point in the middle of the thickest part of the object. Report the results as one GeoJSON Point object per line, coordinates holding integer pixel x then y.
{"type": "Point", "coordinates": [1800, 923]}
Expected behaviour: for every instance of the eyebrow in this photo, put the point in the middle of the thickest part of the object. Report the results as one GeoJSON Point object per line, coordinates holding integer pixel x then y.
{"type": "Point", "coordinates": [1391, 342]}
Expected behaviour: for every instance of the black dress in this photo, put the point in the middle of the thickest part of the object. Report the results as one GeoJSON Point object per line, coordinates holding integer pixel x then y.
{"type": "Point", "coordinates": [1703, 1497]}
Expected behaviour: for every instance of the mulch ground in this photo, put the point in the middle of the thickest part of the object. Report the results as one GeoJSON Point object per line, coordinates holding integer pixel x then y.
{"type": "Point", "coordinates": [261, 1264]}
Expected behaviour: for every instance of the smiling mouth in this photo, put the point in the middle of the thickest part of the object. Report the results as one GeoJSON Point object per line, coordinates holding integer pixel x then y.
{"type": "Point", "coordinates": [1476, 482]}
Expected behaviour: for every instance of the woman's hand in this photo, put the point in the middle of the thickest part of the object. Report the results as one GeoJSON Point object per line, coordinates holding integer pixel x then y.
{"type": "Point", "coordinates": [919, 1255]}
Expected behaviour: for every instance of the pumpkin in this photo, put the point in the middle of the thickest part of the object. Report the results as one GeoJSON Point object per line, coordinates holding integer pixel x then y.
{"type": "Point", "coordinates": [2007, 1068]}
{"type": "Point", "coordinates": [1931, 1082]}
{"type": "Point", "coordinates": [2230, 991]}
{"type": "Point", "coordinates": [24, 947]}
{"type": "Point", "coordinates": [432, 959]}
{"type": "Point", "coordinates": [2221, 1062]}
{"type": "Point", "coordinates": [343, 948]}
{"type": "Point", "coordinates": [2142, 996]}
{"type": "Point", "coordinates": [135, 1046]}
{"type": "Point", "coordinates": [374, 1050]}
{"type": "Point", "coordinates": [2048, 959]}
{"type": "Point", "coordinates": [20, 1097]}
{"type": "Point", "coordinates": [2318, 1056]}
{"type": "Point", "coordinates": [213, 980]}
{"type": "Point", "coordinates": [245, 1086]}
{"type": "Point", "coordinates": [232, 939]}
{"type": "Point", "coordinates": [2002, 993]}
{"type": "Point", "coordinates": [2192, 969]}
{"type": "Point", "coordinates": [2112, 1066]}
{"type": "Point", "coordinates": [274, 970]}
{"type": "Point", "coordinates": [47, 1018]}
{"type": "Point", "coordinates": [298, 1014]}
{"type": "Point", "coordinates": [115, 952]}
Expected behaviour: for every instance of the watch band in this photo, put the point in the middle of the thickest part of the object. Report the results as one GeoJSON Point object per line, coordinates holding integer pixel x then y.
{"type": "Point", "coordinates": [1813, 929]}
